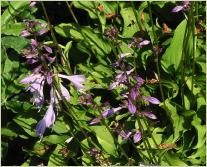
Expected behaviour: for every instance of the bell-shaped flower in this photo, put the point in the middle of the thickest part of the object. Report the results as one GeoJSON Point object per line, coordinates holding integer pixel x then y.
{"type": "Point", "coordinates": [36, 82]}
{"type": "Point", "coordinates": [132, 108]}
{"type": "Point", "coordinates": [55, 96]}
{"type": "Point", "coordinates": [77, 80]}
{"type": "Point", "coordinates": [137, 137]}
{"type": "Point", "coordinates": [47, 121]}
{"type": "Point", "coordinates": [149, 114]}
{"type": "Point", "coordinates": [152, 100]}
{"type": "Point", "coordinates": [125, 135]}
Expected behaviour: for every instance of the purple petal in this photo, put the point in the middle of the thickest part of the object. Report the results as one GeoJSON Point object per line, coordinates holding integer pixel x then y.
{"type": "Point", "coordinates": [137, 137]}
{"type": "Point", "coordinates": [25, 33]}
{"type": "Point", "coordinates": [140, 81]}
{"type": "Point", "coordinates": [49, 116]}
{"type": "Point", "coordinates": [107, 113]}
{"type": "Point", "coordinates": [77, 80]}
{"type": "Point", "coordinates": [132, 108]}
{"type": "Point", "coordinates": [34, 43]}
{"type": "Point", "coordinates": [113, 85]}
{"type": "Point", "coordinates": [50, 59]}
{"type": "Point", "coordinates": [94, 121]}
{"type": "Point", "coordinates": [37, 69]}
{"type": "Point", "coordinates": [133, 93]}
{"type": "Point", "coordinates": [42, 31]}
{"type": "Point", "coordinates": [49, 78]}
{"type": "Point", "coordinates": [143, 43]}
{"type": "Point", "coordinates": [149, 114]}
{"type": "Point", "coordinates": [125, 135]}
{"type": "Point", "coordinates": [152, 100]}
{"type": "Point", "coordinates": [40, 128]}
{"type": "Point", "coordinates": [31, 61]}
{"type": "Point", "coordinates": [47, 48]}
{"type": "Point", "coordinates": [177, 9]}
{"type": "Point", "coordinates": [65, 92]}
{"type": "Point", "coordinates": [30, 78]}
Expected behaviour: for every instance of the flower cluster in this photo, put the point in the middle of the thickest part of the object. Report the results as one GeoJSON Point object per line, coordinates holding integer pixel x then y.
{"type": "Point", "coordinates": [184, 7]}
{"type": "Point", "coordinates": [39, 55]}
{"type": "Point", "coordinates": [130, 82]}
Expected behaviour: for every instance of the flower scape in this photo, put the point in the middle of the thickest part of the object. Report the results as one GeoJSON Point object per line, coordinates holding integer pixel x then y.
{"type": "Point", "coordinates": [103, 83]}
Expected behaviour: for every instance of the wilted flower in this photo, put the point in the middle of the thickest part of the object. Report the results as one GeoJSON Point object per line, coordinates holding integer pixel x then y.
{"type": "Point", "coordinates": [185, 6]}
{"type": "Point", "coordinates": [112, 33]}
{"type": "Point", "coordinates": [47, 121]}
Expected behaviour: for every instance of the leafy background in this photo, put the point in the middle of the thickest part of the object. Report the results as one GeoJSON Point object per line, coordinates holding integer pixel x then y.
{"type": "Point", "coordinates": [182, 64]}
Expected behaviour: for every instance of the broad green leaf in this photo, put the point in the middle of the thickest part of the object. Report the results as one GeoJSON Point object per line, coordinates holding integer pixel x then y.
{"type": "Point", "coordinates": [89, 6]}
{"type": "Point", "coordinates": [8, 132]}
{"type": "Point", "coordinates": [67, 48]}
{"type": "Point", "coordinates": [174, 160]}
{"type": "Point", "coordinates": [26, 123]}
{"type": "Point", "coordinates": [171, 59]}
{"type": "Point", "coordinates": [13, 10]}
{"type": "Point", "coordinates": [201, 132]}
{"type": "Point", "coordinates": [105, 139]}
{"type": "Point", "coordinates": [69, 30]}
{"type": "Point", "coordinates": [12, 29]}
{"type": "Point", "coordinates": [60, 126]}
{"type": "Point", "coordinates": [16, 43]}
{"type": "Point", "coordinates": [196, 87]}
{"type": "Point", "coordinates": [55, 139]}
{"type": "Point", "coordinates": [177, 120]}
{"type": "Point", "coordinates": [130, 23]}
{"type": "Point", "coordinates": [172, 88]}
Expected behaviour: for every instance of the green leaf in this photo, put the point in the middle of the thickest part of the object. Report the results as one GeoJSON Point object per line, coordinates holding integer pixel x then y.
{"type": "Point", "coordinates": [174, 160]}
{"type": "Point", "coordinates": [201, 132]}
{"type": "Point", "coordinates": [171, 59]}
{"type": "Point", "coordinates": [67, 48]}
{"type": "Point", "coordinates": [177, 120]}
{"type": "Point", "coordinates": [26, 123]}
{"type": "Point", "coordinates": [105, 139]}
{"type": "Point", "coordinates": [55, 139]}
{"type": "Point", "coordinates": [129, 17]}
{"type": "Point", "coordinates": [8, 132]}
{"type": "Point", "coordinates": [16, 43]}
{"type": "Point", "coordinates": [69, 30]}
{"type": "Point", "coordinates": [15, 8]}
{"type": "Point", "coordinates": [60, 126]}
{"type": "Point", "coordinates": [12, 29]}
{"type": "Point", "coordinates": [89, 6]}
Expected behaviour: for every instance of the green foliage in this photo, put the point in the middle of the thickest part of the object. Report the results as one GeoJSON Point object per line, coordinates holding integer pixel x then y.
{"type": "Point", "coordinates": [84, 42]}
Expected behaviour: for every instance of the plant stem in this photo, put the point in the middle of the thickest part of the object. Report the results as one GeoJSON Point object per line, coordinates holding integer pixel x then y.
{"type": "Point", "coordinates": [157, 59]}
{"type": "Point", "coordinates": [63, 59]}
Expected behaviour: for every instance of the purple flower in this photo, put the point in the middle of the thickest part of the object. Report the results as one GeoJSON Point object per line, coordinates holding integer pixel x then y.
{"type": "Point", "coordinates": [36, 82]}
{"type": "Point", "coordinates": [139, 80]}
{"type": "Point", "coordinates": [120, 78]}
{"type": "Point", "coordinates": [132, 108]}
{"type": "Point", "coordinates": [133, 93]}
{"type": "Point", "coordinates": [105, 114]}
{"type": "Point", "coordinates": [25, 33]}
{"type": "Point", "coordinates": [55, 96]}
{"type": "Point", "coordinates": [47, 121]}
{"type": "Point", "coordinates": [77, 80]}
{"type": "Point", "coordinates": [152, 100]}
{"type": "Point", "coordinates": [185, 6]}
{"type": "Point", "coordinates": [137, 137]}
{"type": "Point", "coordinates": [125, 135]}
{"type": "Point", "coordinates": [143, 43]}
{"type": "Point", "coordinates": [47, 48]}
{"type": "Point", "coordinates": [149, 114]}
